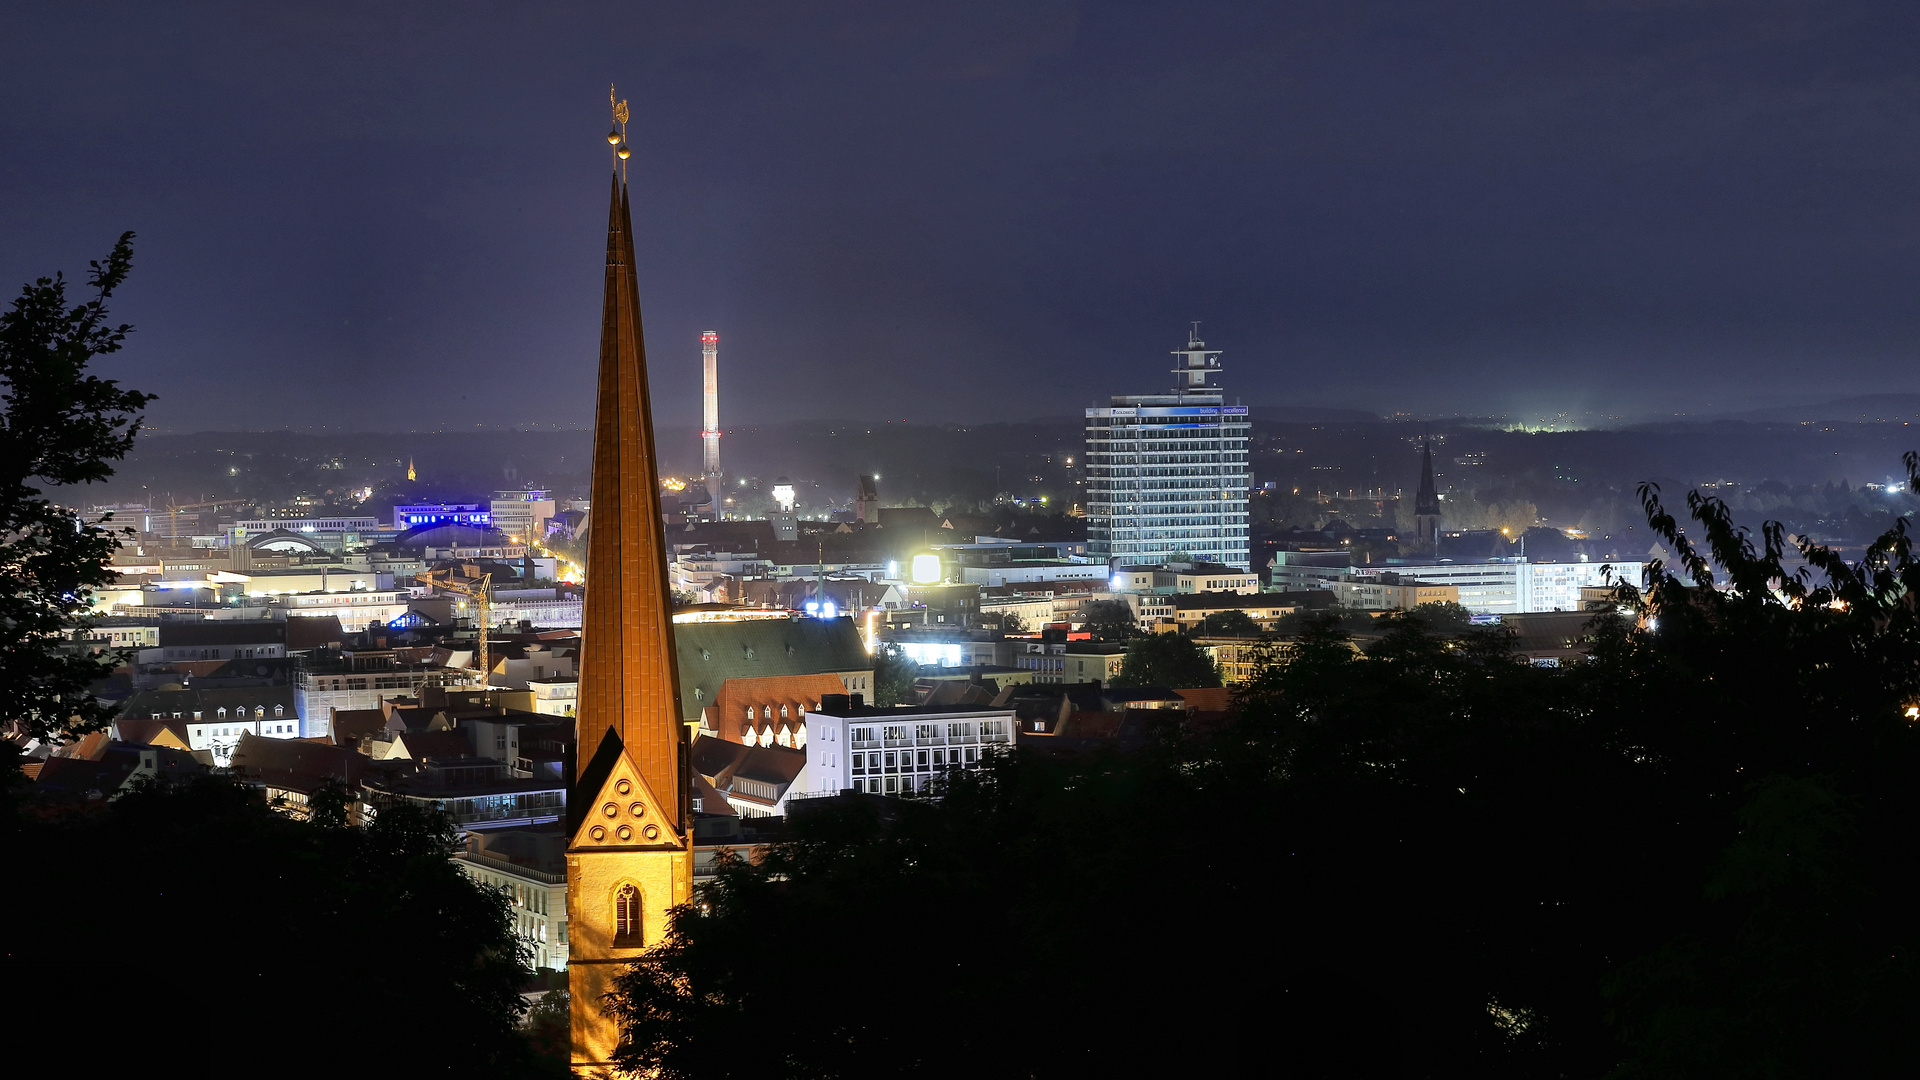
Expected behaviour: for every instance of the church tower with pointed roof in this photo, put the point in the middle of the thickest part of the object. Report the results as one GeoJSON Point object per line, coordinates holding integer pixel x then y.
{"type": "Point", "coordinates": [629, 813]}
{"type": "Point", "coordinates": [1426, 504]}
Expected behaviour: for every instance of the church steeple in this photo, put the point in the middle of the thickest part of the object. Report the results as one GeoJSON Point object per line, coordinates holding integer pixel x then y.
{"type": "Point", "coordinates": [628, 679]}
{"type": "Point", "coordinates": [1426, 504]}
{"type": "Point", "coordinates": [630, 853]}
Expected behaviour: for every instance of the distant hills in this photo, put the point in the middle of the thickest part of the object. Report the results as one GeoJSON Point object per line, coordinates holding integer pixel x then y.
{"type": "Point", "coordinates": [1867, 409]}
{"type": "Point", "coordinates": [1312, 414]}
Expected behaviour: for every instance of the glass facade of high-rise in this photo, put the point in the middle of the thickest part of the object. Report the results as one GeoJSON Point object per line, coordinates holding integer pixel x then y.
{"type": "Point", "coordinates": [1167, 473]}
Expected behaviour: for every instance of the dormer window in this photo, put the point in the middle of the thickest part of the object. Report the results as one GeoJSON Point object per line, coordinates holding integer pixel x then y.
{"type": "Point", "coordinates": [223, 712]}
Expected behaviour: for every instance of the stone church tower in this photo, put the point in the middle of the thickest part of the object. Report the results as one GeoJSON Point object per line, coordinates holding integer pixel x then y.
{"type": "Point", "coordinates": [629, 813]}
{"type": "Point", "coordinates": [1426, 505]}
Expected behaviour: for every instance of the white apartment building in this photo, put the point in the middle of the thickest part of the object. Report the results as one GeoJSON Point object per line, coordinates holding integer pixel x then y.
{"type": "Point", "coordinates": [530, 867]}
{"type": "Point", "coordinates": [1494, 587]}
{"type": "Point", "coordinates": [555, 697]}
{"type": "Point", "coordinates": [898, 751]}
{"type": "Point", "coordinates": [361, 683]}
{"type": "Point", "coordinates": [1516, 586]}
{"type": "Point", "coordinates": [355, 610]}
{"type": "Point", "coordinates": [216, 718]}
{"type": "Point", "coordinates": [1167, 473]}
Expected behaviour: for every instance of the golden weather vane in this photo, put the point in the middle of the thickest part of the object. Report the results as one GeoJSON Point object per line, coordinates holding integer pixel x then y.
{"type": "Point", "coordinates": [617, 138]}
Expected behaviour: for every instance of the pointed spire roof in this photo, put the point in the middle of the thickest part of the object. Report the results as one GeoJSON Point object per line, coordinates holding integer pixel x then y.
{"type": "Point", "coordinates": [629, 682]}
{"type": "Point", "coordinates": [1428, 500]}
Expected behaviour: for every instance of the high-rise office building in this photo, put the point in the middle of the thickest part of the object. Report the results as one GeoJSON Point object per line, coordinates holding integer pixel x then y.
{"type": "Point", "coordinates": [1167, 473]}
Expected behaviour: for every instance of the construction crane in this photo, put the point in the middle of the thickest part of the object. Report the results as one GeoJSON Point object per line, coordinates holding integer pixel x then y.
{"type": "Point", "coordinates": [471, 582]}
{"type": "Point", "coordinates": [173, 512]}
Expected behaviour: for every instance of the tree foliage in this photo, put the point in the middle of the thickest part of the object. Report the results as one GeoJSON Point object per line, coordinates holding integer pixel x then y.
{"type": "Point", "coordinates": [1690, 856]}
{"type": "Point", "coordinates": [1110, 620]}
{"type": "Point", "coordinates": [1443, 616]}
{"type": "Point", "coordinates": [60, 426]}
{"type": "Point", "coordinates": [893, 676]}
{"type": "Point", "coordinates": [1171, 659]}
{"type": "Point", "coordinates": [255, 931]}
{"type": "Point", "coordinates": [1232, 623]}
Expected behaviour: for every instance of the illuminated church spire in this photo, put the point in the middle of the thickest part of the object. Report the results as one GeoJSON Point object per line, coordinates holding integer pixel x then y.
{"type": "Point", "coordinates": [627, 675]}
{"type": "Point", "coordinates": [629, 860]}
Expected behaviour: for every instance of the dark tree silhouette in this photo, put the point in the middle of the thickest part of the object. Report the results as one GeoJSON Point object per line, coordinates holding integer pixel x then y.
{"type": "Point", "coordinates": [60, 426]}
{"type": "Point", "coordinates": [1227, 624]}
{"type": "Point", "coordinates": [893, 676]}
{"type": "Point", "coordinates": [1689, 856]}
{"type": "Point", "coordinates": [1110, 620]}
{"type": "Point", "coordinates": [1171, 660]}
{"type": "Point", "coordinates": [256, 931]}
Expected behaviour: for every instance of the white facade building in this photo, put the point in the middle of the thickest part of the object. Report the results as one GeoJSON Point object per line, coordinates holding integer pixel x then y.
{"type": "Point", "coordinates": [898, 751]}
{"type": "Point", "coordinates": [1167, 473]}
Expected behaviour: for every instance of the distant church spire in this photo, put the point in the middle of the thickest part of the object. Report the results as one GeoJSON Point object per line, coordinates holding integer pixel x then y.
{"type": "Point", "coordinates": [1426, 505]}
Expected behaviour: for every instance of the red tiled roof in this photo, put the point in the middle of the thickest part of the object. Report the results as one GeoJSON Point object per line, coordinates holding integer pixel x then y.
{"type": "Point", "coordinates": [1208, 699]}
{"type": "Point", "coordinates": [727, 716]}
{"type": "Point", "coordinates": [146, 732]}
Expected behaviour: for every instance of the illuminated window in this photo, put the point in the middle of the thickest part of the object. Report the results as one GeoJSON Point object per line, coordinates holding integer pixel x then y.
{"type": "Point", "coordinates": [627, 933]}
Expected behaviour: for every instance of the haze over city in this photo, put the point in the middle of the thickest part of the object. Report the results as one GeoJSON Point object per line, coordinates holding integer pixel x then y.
{"type": "Point", "coordinates": [986, 210]}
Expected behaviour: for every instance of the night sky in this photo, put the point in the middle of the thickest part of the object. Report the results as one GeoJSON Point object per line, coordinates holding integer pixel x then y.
{"type": "Point", "coordinates": [394, 219]}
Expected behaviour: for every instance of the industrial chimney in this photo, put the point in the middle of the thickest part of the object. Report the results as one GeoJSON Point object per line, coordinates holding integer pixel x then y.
{"type": "Point", "coordinates": [710, 430]}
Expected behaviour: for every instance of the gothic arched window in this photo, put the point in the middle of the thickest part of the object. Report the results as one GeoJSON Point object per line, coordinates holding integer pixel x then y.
{"type": "Point", "coordinates": [626, 918]}
{"type": "Point", "coordinates": [749, 712]}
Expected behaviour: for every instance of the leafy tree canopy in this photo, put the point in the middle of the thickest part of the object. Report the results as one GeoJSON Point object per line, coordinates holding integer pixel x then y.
{"type": "Point", "coordinates": [1170, 660]}
{"type": "Point", "coordinates": [893, 676]}
{"type": "Point", "coordinates": [257, 931]}
{"type": "Point", "coordinates": [1110, 620]}
{"type": "Point", "coordinates": [1228, 624]}
{"type": "Point", "coordinates": [60, 426]}
{"type": "Point", "coordinates": [1443, 616]}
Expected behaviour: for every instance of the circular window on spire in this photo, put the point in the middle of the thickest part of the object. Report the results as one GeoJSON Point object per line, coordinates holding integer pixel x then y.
{"type": "Point", "coordinates": [625, 832]}
{"type": "Point", "coordinates": [624, 787]}
{"type": "Point", "coordinates": [611, 810]}
{"type": "Point", "coordinates": [638, 809]}
{"type": "Point", "coordinates": [598, 832]}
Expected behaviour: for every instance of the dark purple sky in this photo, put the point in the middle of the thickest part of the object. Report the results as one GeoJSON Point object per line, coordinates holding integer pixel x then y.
{"type": "Point", "coordinates": [393, 219]}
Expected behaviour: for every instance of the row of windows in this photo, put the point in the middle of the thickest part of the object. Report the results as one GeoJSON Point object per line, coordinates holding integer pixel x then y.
{"type": "Point", "coordinates": [271, 729]}
{"type": "Point", "coordinates": [893, 785]}
{"type": "Point", "coordinates": [259, 713]}
{"type": "Point", "coordinates": [912, 760]}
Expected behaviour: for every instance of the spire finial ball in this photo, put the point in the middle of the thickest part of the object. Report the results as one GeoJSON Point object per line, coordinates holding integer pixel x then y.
{"type": "Point", "coordinates": [613, 138]}
{"type": "Point", "coordinates": [623, 152]}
